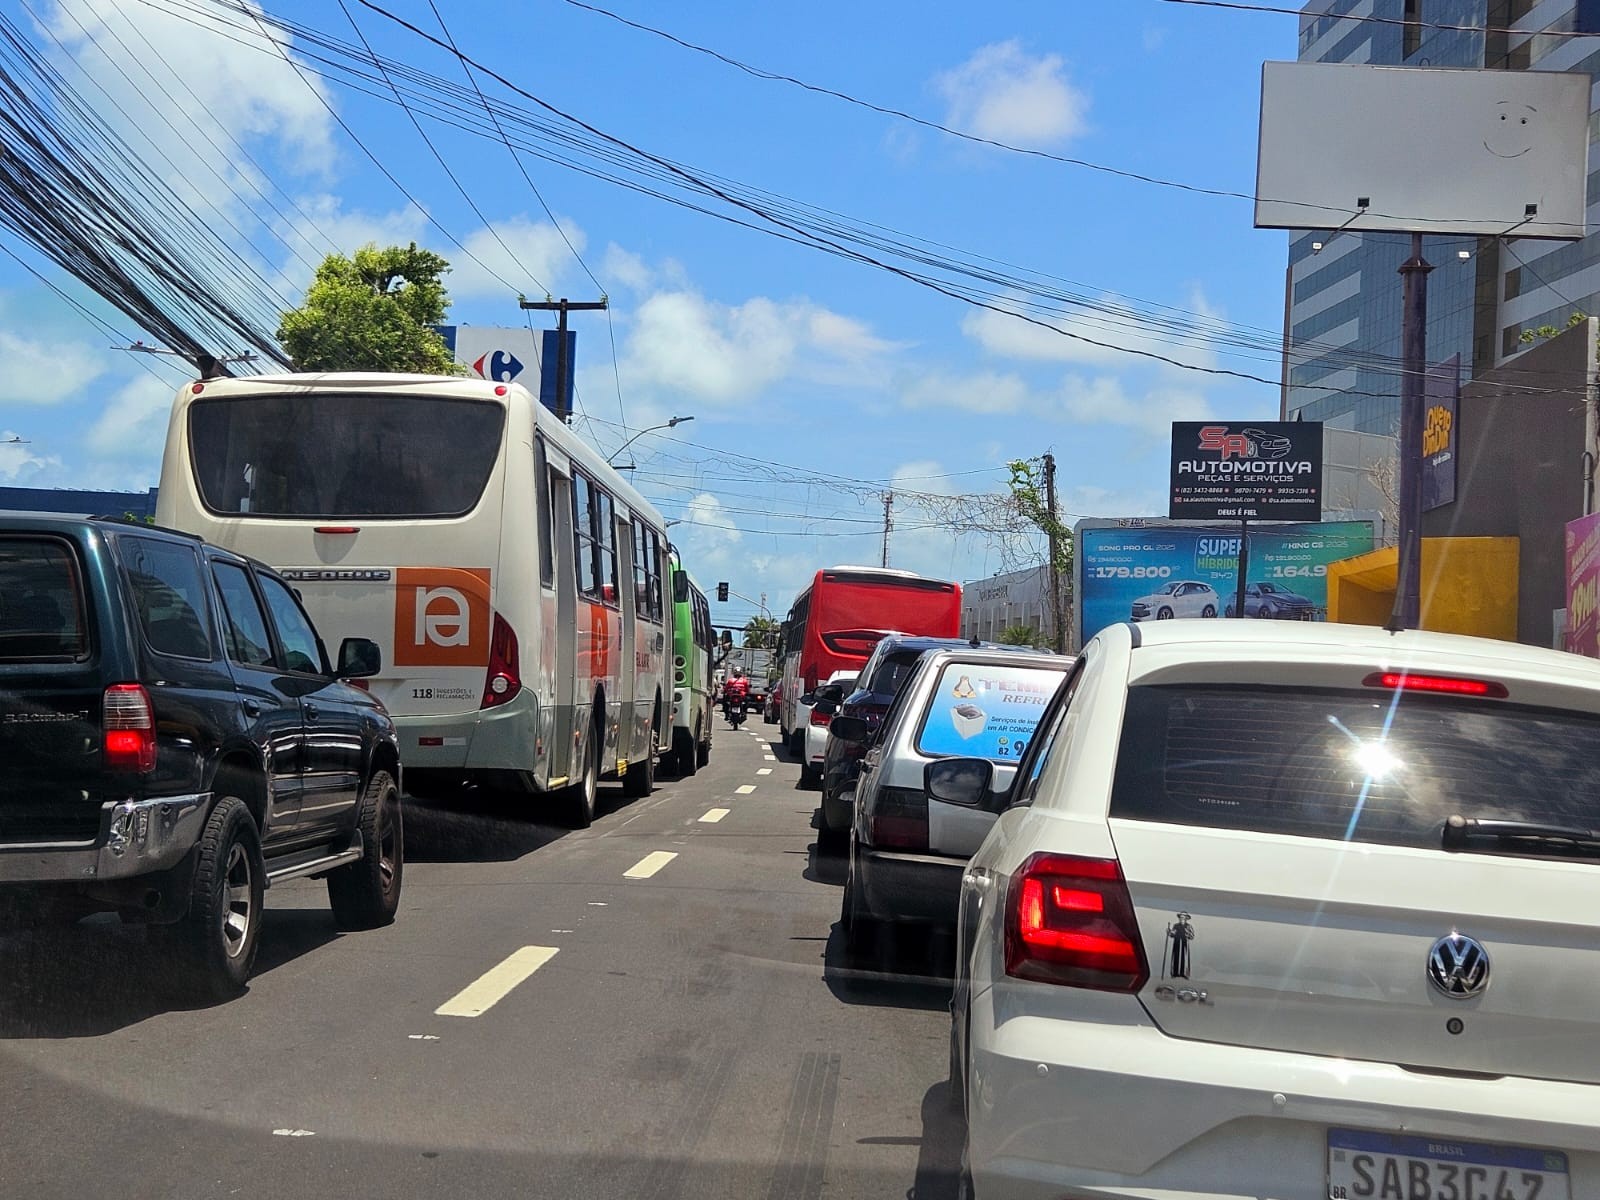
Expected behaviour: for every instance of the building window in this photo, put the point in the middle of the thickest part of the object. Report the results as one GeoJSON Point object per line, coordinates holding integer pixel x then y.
{"type": "Point", "coordinates": [1413, 28]}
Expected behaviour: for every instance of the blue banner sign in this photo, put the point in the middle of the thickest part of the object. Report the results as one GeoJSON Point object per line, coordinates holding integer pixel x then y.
{"type": "Point", "coordinates": [986, 711]}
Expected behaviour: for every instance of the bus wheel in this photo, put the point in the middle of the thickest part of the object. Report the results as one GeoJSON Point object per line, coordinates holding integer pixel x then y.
{"type": "Point", "coordinates": [583, 797]}
{"type": "Point", "coordinates": [685, 756]}
{"type": "Point", "coordinates": [640, 780]}
{"type": "Point", "coordinates": [702, 749]}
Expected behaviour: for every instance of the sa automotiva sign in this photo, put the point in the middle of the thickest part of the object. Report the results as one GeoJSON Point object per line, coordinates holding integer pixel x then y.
{"type": "Point", "coordinates": [1246, 471]}
{"type": "Point", "coordinates": [1156, 571]}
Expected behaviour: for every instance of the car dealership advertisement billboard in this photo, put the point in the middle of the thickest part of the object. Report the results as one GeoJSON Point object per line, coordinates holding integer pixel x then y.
{"type": "Point", "coordinates": [1151, 570]}
{"type": "Point", "coordinates": [1246, 471]}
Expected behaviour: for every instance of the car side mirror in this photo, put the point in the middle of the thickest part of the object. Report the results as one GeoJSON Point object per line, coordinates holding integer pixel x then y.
{"type": "Point", "coordinates": [826, 707]}
{"type": "Point", "coordinates": [359, 658]}
{"type": "Point", "coordinates": [849, 729]}
{"type": "Point", "coordinates": [961, 781]}
{"type": "Point", "coordinates": [808, 697]}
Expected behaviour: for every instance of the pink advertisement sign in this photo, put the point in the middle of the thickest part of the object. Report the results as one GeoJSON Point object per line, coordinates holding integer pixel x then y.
{"type": "Point", "coordinates": [1583, 580]}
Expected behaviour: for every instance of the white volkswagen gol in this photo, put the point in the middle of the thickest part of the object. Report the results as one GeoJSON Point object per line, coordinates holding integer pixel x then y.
{"type": "Point", "coordinates": [1289, 911]}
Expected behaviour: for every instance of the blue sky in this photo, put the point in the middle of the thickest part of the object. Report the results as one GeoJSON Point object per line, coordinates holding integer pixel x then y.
{"type": "Point", "coordinates": [854, 381]}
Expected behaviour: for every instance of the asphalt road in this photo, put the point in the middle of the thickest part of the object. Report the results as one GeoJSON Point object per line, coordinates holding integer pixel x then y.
{"type": "Point", "coordinates": [689, 1032]}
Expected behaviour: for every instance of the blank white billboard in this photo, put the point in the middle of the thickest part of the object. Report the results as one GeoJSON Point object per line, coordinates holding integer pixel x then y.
{"type": "Point", "coordinates": [1423, 150]}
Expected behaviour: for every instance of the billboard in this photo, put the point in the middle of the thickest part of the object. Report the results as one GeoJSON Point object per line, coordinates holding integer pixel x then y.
{"type": "Point", "coordinates": [1441, 391]}
{"type": "Point", "coordinates": [1246, 471]}
{"type": "Point", "coordinates": [1498, 151]}
{"type": "Point", "coordinates": [1582, 634]}
{"type": "Point", "coordinates": [1156, 570]}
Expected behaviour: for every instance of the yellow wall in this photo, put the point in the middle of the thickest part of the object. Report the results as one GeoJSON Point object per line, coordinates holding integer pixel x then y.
{"type": "Point", "coordinates": [1469, 585]}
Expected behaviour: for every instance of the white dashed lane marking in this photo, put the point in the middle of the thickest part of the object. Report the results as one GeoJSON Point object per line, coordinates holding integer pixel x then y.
{"type": "Point", "coordinates": [714, 815]}
{"type": "Point", "coordinates": [495, 984]}
{"type": "Point", "coordinates": [744, 789]}
{"type": "Point", "coordinates": [764, 771]}
{"type": "Point", "coordinates": [649, 864]}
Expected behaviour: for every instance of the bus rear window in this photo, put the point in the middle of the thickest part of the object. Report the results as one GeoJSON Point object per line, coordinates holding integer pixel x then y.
{"type": "Point", "coordinates": [41, 602]}
{"type": "Point", "coordinates": [1350, 766]}
{"type": "Point", "coordinates": [345, 454]}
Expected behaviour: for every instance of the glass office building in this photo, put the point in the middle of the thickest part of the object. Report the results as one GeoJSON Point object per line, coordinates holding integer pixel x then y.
{"type": "Point", "coordinates": [1342, 342]}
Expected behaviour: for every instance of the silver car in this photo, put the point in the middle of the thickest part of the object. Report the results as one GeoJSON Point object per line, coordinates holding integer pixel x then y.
{"type": "Point", "coordinates": [908, 849]}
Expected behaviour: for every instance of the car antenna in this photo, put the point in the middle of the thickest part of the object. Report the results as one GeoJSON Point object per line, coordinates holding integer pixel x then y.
{"type": "Point", "coordinates": [975, 642]}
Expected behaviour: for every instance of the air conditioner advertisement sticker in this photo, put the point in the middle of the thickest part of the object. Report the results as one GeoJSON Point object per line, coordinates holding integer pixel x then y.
{"type": "Point", "coordinates": [986, 711]}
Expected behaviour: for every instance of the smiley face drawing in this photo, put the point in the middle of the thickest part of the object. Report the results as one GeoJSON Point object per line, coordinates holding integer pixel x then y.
{"type": "Point", "coordinates": [1511, 129]}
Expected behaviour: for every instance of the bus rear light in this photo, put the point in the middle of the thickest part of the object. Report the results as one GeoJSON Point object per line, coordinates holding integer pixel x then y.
{"type": "Point", "coordinates": [129, 726]}
{"type": "Point", "coordinates": [338, 529]}
{"type": "Point", "coordinates": [504, 678]}
{"type": "Point", "coordinates": [1070, 920]}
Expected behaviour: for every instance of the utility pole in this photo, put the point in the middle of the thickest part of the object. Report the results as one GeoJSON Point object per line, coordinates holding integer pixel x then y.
{"type": "Point", "coordinates": [1414, 355]}
{"type": "Point", "coordinates": [1059, 633]}
{"type": "Point", "coordinates": [888, 523]}
{"type": "Point", "coordinates": [562, 306]}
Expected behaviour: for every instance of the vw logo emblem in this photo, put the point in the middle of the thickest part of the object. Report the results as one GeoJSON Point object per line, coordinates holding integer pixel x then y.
{"type": "Point", "coordinates": [1458, 966]}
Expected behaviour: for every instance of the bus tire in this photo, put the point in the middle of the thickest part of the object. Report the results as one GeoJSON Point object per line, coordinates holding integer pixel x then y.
{"type": "Point", "coordinates": [640, 780]}
{"type": "Point", "coordinates": [685, 754]}
{"type": "Point", "coordinates": [583, 797]}
{"type": "Point", "coordinates": [702, 750]}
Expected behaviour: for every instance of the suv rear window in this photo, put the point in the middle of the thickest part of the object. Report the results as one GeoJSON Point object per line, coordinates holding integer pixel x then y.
{"type": "Point", "coordinates": [169, 596]}
{"type": "Point", "coordinates": [1350, 766]}
{"type": "Point", "coordinates": [41, 601]}
{"type": "Point", "coordinates": [986, 710]}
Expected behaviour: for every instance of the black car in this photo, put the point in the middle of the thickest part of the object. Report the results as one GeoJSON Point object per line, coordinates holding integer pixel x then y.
{"type": "Point", "coordinates": [890, 665]}
{"type": "Point", "coordinates": [175, 741]}
{"type": "Point", "coordinates": [1272, 601]}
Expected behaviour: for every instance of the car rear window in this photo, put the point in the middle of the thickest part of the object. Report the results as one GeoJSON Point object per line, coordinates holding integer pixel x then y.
{"type": "Point", "coordinates": [983, 710]}
{"type": "Point", "coordinates": [1350, 766]}
{"type": "Point", "coordinates": [41, 601]}
{"type": "Point", "coordinates": [894, 670]}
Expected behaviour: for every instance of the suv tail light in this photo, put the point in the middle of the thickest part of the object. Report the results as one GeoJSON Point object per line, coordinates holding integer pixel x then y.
{"type": "Point", "coordinates": [128, 728]}
{"type": "Point", "coordinates": [504, 677]}
{"type": "Point", "coordinates": [1070, 920]}
{"type": "Point", "coordinates": [900, 819]}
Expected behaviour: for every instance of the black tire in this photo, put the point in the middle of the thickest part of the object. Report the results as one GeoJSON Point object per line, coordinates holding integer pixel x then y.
{"type": "Point", "coordinates": [1164, 614]}
{"type": "Point", "coordinates": [702, 752]}
{"type": "Point", "coordinates": [583, 797]}
{"type": "Point", "coordinates": [797, 743]}
{"type": "Point", "coordinates": [365, 894]}
{"type": "Point", "coordinates": [863, 933]}
{"type": "Point", "coordinates": [1209, 610]}
{"type": "Point", "coordinates": [957, 1093]}
{"type": "Point", "coordinates": [215, 943]}
{"type": "Point", "coordinates": [685, 754]}
{"type": "Point", "coordinates": [1263, 614]}
{"type": "Point", "coordinates": [810, 776]}
{"type": "Point", "coordinates": [640, 780]}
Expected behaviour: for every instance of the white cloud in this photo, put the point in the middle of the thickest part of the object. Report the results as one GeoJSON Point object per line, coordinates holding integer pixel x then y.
{"type": "Point", "coordinates": [1153, 38]}
{"type": "Point", "coordinates": [521, 251]}
{"type": "Point", "coordinates": [1007, 95]}
{"type": "Point", "coordinates": [21, 464]}
{"type": "Point", "coordinates": [322, 225]}
{"type": "Point", "coordinates": [1116, 332]}
{"type": "Point", "coordinates": [46, 373]}
{"type": "Point", "coordinates": [984, 392]}
{"type": "Point", "coordinates": [623, 268]}
{"type": "Point", "coordinates": [1106, 401]}
{"type": "Point", "coordinates": [681, 342]}
{"type": "Point", "coordinates": [133, 424]}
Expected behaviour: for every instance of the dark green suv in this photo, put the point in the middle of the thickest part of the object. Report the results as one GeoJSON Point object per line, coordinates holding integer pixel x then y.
{"type": "Point", "coordinates": [173, 741]}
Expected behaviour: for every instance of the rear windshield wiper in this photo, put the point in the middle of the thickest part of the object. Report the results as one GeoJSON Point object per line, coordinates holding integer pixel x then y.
{"type": "Point", "coordinates": [1469, 834]}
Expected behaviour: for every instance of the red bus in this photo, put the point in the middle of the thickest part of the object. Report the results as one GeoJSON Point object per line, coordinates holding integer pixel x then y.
{"type": "Point", "coordinates": [834, 624]}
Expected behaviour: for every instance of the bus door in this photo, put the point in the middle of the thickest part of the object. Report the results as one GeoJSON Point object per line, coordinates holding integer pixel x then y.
{"type": "Point", "coordinates": [630, 732]}
{"type": "Point", "coordinates": [564, 764]}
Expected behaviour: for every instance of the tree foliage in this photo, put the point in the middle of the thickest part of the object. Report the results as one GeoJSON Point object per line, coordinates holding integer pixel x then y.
{"type": "Point", "coordinates": [372, 312]}
{"type": "Point", "coordinates": [761, 632]}
{"type": "Point", "coordinates": [1028, 494]}
{"type": "Point", "coordinates": [1018, 635]}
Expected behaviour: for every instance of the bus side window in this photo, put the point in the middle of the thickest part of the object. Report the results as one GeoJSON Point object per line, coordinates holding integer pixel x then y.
{"type": "Point", "coordinates": [641, 570]}
{"type": "Point", "coordinates": [606, 541]}
{"type": "Point", "coordinates": [585, 548]}
{"type": "Point", "coordinates": [543, 496]}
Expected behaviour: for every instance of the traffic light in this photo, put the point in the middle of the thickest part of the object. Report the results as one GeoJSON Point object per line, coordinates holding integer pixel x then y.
{"type": "Point", "coordinates": [722, 593]}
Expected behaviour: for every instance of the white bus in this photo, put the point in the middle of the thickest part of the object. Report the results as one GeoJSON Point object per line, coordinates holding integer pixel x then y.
{"type": "Point", "coordinates": [515, 578]}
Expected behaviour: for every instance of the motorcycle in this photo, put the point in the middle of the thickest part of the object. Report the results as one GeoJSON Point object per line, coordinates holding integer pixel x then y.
{"type": "Point", "coordinates": [735, 713]}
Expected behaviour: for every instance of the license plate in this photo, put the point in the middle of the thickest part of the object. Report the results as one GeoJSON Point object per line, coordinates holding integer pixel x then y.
{"type": "Point", "coordinates": [1383, 1166]}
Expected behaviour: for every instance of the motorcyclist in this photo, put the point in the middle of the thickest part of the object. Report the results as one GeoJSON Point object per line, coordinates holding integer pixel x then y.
{"type": "Point", "coordinates": [734, 692]}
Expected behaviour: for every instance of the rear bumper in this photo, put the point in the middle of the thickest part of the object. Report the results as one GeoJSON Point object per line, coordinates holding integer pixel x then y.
{"type": "Point", "coordinates": [499, 738]}
{"type": "Point", "coordinates": [1122, 1111]}
{"type": "Point", "coordinates": [922, 888]}
{"type": "Point", "coordinates": [137, 837]}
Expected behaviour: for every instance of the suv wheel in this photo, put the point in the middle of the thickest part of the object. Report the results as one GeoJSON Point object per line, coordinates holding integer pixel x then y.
{"type": "Point", "coordinates": [366, 893]}
{"type": "Point", "coordinates": [216, 941]}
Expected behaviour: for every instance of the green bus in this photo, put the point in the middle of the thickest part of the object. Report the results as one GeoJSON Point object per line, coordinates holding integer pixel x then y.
{"type": "Point", "coordinates": [693, 644]}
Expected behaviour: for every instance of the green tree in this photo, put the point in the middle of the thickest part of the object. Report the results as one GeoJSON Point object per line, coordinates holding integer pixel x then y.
{"type": "Point", "coordinates": [1018, 635]}
{"type": "Point", "coordinates": [1027, 492]}
{"type": "Point", "coordinates": [372, 312]}
{"type": "Point", "coordinates": [761, 632]}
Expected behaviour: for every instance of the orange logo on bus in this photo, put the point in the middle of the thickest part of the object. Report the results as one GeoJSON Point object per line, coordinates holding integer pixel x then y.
{"type": "Point", "coordinates": [441, 617]}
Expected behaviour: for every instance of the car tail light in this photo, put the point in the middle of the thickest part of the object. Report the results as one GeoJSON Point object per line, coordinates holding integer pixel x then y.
{"type": "Point", "coordinates": [129, 729]}
{"type": "Point", "coordinates": [1070, 920]}
{"type": "Point", "coordinates": [504, 677]}
{"type": "Point", "coordinates": [1449, 685]}
{"type": "Point", "coordinates": [899, 819]}
{"type": "Point", "coordinates": [821, 719]}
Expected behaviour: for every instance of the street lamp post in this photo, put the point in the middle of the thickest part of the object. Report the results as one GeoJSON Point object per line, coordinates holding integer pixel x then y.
{"type": "Point", "coordinates": [670, 424]}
